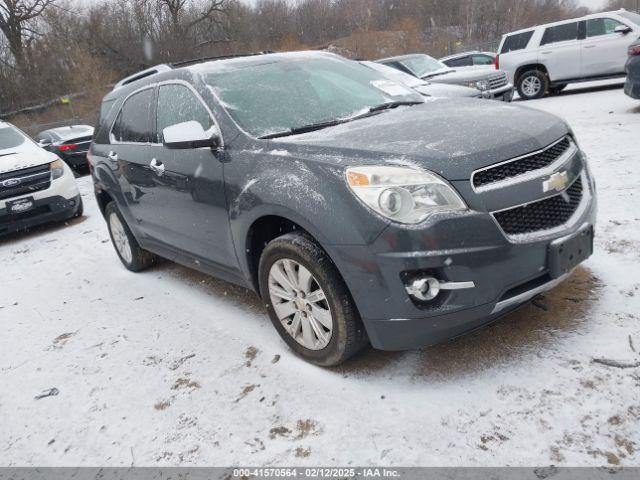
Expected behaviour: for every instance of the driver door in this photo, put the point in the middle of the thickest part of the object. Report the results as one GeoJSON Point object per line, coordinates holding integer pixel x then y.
{"type": "Point", "coordinates": [190, 197]}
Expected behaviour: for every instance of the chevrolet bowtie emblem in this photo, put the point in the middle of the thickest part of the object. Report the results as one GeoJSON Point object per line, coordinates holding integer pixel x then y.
{"type": "Point", "coordinates": [558, 181]}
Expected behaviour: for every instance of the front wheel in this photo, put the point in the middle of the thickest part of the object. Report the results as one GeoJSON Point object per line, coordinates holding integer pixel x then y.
{"type": "Point", "coordinates": [308, 302]}
{"type": "Point", "coordinates": [132, 256]}
{"type": "Point", "coordinates": [532, 84]}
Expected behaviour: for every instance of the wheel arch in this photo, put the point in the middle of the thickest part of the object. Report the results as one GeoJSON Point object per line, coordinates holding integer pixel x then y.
{"type": "Point", "coordinates": [266, 226]}
{"type": "Point", "coordinates": [529, 66]}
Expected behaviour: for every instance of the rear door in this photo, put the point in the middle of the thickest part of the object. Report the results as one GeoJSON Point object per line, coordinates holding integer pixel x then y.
{"type": "Point", "coordinates": [190, 196]}
{"type": "Point", "coordinates": [604, 52]}
{"type": "Point", "coordinates": [130, 152]}
{"type": "Point", "coordinates": [560, 51]}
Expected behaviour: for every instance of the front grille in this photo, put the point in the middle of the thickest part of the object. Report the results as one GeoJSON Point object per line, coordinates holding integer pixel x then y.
{"type": "Point", "coordinates": [498, 80]}
{"type": "Point", "coordinates": [30, 179]}
{"type": "Point", "coordinates": [522, 165]}
{"type": "Point", "coordinates": [543, 215]}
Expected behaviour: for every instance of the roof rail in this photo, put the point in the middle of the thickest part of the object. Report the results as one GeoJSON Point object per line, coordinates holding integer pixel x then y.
{"type": "Point", "coordinates": [193, 61]}
{"type": "Point", "coordinates": [143, 74]}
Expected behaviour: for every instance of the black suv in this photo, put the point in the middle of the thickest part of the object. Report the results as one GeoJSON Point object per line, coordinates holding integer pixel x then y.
{"type": "Point", "coordinates": [356, 209]}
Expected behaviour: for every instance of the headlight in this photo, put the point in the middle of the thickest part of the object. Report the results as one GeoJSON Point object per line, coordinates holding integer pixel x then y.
{"type": "Point", "coordinates": [480, 85]}
{"type": "Point", "coordinates": [403, 194]}
{"type": "Point", "coordinates": [57, 169]}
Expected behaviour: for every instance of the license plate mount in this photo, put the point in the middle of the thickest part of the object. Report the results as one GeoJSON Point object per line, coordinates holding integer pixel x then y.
{"type": "Point", "coordinates": [567, 252]}
{"type": "Point", "coordinates": [22, 205]}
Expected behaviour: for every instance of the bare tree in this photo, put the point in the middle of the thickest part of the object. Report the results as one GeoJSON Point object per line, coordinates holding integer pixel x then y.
{"type": "Point", "coordinates": [17, 18]}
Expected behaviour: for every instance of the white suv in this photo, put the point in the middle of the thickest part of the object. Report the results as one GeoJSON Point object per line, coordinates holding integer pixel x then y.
{"type": "Point", "coordinates": [548, 57]}
{"type": "Point", "coordinates": [35, 185]}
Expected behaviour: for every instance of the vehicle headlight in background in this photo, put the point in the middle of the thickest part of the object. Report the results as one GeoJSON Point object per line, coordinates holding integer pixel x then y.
{"type": "Point", "coordinates": [57, 169]}
{"type": "Point", "coordinates": [403, 194]}
{"type": "Point", "coordinates": [480, 85]}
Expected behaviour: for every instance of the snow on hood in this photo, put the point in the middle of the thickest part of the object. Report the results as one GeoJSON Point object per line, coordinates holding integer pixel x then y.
{"type": "Point", "coordinates": [25, 155]}
{"type": "Point", "coordinates": [452, 137]}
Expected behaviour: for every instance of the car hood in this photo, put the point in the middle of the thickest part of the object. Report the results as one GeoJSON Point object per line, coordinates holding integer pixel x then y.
{"type": "Point", "coordinates": [446, 90]}
{"type": "Point", "coordinates": [452, 137]}
{"type": "Point", "coordinates": [463, 76]}
{"type": "Point", "coordinates": [21, 157]}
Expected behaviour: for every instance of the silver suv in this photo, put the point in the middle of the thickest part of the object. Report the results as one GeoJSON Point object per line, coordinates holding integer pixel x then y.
{"type": "Point", "coordinates": [548, 57]}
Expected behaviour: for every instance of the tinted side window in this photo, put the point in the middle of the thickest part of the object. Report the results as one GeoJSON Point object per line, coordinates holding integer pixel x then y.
{"type": "Point", "coordinates": [601, 26]}
{"type": "Point", "coordinates": [560, 33]}
{"type": "Point", "coordinates": [519, 41]}
{"type": "Point", "coordinates": [134, 120]}
{"type": "Point", "coordinates": [459, 62]}
{"type": "Point", "coordinates": [482, 60]}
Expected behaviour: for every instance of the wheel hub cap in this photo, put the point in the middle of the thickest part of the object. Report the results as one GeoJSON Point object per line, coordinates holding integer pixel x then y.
{"type": "Point", "coordinates": [300, 304]}
{"type": "Point", "coordinates": [120, 239]}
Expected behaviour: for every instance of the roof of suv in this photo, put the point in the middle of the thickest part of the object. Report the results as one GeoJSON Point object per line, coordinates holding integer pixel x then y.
{"type": "Point", "coordinates": [568, 20]}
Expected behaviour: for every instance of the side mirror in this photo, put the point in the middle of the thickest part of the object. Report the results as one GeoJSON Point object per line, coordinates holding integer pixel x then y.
{"type": "Point", "coordinates": [189, 135]}
{"type": "Point", "coordinates": [44, 143]}
{"type": "Point", "coordinates": [623, 29]}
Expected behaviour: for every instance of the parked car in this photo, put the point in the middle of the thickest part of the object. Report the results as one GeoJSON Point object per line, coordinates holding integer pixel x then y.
{"type": "Point", "coordinates": [69, 143]}
{"type": "Point", "coordinates": [35, 186]}
{"type": "Point", "coordinates": [548, 57]}
{"type": "Point", "coordinates": [632, 85]}
{"type": "Point", "coordinates": [490, 83]}
{"type": "Point", "coordinates": [470, 59]}
{"type": "Point", "coordinates": [425, 88]}
{"type": "Point", "coordinates": [357, 210]}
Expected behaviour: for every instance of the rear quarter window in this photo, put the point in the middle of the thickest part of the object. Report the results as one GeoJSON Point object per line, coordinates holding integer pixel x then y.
{"type": "Point", "coordinates": [517, 41]}
{"type": "Point", "coordinates": [560, 33]}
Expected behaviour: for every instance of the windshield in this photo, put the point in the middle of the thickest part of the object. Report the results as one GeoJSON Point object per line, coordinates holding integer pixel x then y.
{"type": "Point", "coordinates": [422, 65]}
{"type": "Point", "coordinates": [10, 138]}
{"type": "Point", "coordinates": [395, 74]}
{"type": "Point", "coordinates": [270, 98]}
{"type": "Point", "coordinates": [634, 17]}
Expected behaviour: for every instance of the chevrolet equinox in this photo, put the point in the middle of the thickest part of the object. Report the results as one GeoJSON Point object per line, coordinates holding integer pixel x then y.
{"type": "Point", "coordinates": [359, 210]}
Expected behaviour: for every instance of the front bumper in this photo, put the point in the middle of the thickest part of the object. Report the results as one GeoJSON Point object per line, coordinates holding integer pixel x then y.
{"type": "Point", "coordinates": [468, 247]}
{"type": "Point", "coordinates": [504, 94]}
{"type": "Point", "coordinates": [45, 210]}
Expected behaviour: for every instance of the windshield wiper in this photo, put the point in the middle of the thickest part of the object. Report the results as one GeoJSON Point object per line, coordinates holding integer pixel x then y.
{"type": "Point", "coordinates": [332, 123]}
{"type": "Point", "coordinates": [430, 75]}
{"type": "Point", "coordinates": [389, 105]}
{"type": "Point", "coordinates": [303, 129]}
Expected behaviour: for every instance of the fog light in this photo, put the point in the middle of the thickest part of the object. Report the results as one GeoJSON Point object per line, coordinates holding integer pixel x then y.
{"type": "Point", "coordinates": [425, 289]}
{"type": "Point", "coordinates": [428, 288]}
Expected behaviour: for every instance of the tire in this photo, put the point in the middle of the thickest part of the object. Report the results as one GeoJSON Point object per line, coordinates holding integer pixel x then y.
{"type": "Point", "coordinates": [132, 256]}
{"type": "Point", "coordinates": [556, 89]}
{"type": "Point", "coordinates": [529, 80]}
{"type": "Point", "coordinates": [347, 335]}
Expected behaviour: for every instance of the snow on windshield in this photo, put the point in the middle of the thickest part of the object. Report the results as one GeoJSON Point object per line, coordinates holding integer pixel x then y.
{"type": "Point", "coordinates": [279, 96]}
{"type": "Point", "coordinates": [10, 138]}
{"type": "Point", "coordinates": [422, 65]}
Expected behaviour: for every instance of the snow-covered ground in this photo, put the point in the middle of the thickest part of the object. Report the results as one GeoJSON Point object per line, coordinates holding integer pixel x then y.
{"type": "Point", "coordinates": [171, 367]}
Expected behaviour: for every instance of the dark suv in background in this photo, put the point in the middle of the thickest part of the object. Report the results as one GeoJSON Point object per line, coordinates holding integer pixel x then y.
{"type": "Point", "coordinates": [356, 209]}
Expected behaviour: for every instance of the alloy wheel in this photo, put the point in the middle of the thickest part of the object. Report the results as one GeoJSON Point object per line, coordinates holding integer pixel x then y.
{"type": "Point", "coordinates": [531, 86]}
{"type": "Point", "coordinates": [120, 239]}
{"type": "Point", "coordinates": [300, 304]}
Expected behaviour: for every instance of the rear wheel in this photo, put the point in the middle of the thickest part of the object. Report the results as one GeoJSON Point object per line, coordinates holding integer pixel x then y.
{"type": "Point", "coordinates": [308, 301]}
{"type": "Point", "coordinates": [132, 256]}
{"type": "Point", "coordinates": [532, 84]}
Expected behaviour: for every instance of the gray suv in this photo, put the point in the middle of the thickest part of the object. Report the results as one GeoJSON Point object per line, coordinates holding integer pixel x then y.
{"type": "Point", "coordinates": [359, 210]}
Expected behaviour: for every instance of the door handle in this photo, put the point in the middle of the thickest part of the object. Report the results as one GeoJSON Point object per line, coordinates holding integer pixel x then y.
{"type": "Point", "coordinates": [157, 166]}
{"type": "Point", "coordinates": [113, 156]}
{"type": "Point", "coordinates": [589, 46]}
{"type": "Point", "coordinates": [546, 53]}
